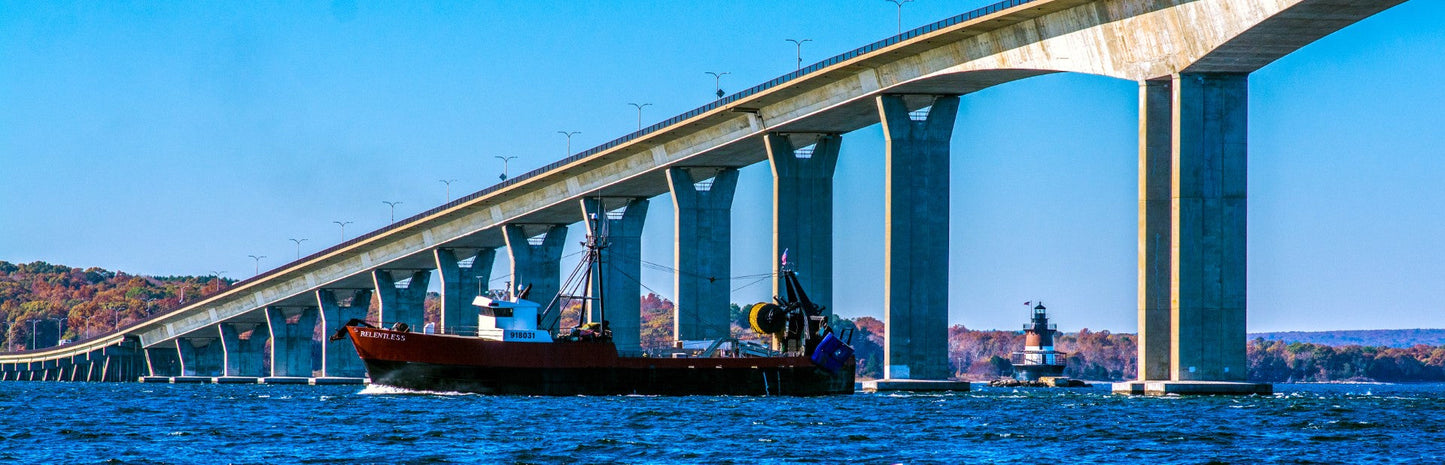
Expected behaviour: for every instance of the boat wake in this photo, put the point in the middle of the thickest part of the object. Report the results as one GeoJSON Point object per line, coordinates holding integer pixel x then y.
{"type": "Point", "coordinates": [384, 390]}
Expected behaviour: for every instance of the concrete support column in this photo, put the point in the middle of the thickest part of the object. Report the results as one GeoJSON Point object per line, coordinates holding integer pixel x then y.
{"type": "Point", "coordinates": [95, 362]}
{"type": "Point", "coordinates": [291, 336]}
{"type": "Point", "coordinates": [617, 280]}
{"type": "Point", "coordinates": [1211, 115]}
{"type": "Point", "coordinates": [200, 355]}
{"type": "Point", "coordinates": [163, 361]}
{"type": "Point", "coordinates": [123, 362]}
{"type": "Point", "coordinates": [460, 285]}
{"type": "Point", "coordinates": [50, 370]}
{"type": "Point", "coordinates": [64, 369]}
{"type": "Point", "coordinates": [538, 265]}
{"type": "Point", "coordinates": [702, 252]}
{"type": "Point", "coordinates": [916, 233]}
{"type": "Point", "coordinates": [803, 212]}
{"type": "Point", "coordinates": [1156, 128]}
{"type": "Point", "coordinates": [338, 358]}
{"type": "Point", "coordinates": [245, 357]}
{"type": "Point", "coordinates": [79, 368]}
{"type": "Point", "coordinates": [402, 305]}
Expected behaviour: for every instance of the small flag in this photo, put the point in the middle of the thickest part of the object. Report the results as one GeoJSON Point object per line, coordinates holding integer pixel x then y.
{"type": "Point", "coordinates": [785, 257]}
{"type": "Point", "coordinates": [1028, 303]}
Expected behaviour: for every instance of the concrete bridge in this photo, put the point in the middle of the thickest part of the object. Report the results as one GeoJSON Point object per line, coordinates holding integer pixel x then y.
{"type": "Point", "coordinates": [1191, 59]}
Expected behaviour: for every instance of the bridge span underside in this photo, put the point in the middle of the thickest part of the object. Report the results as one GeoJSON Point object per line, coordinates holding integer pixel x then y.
{"type": "Point", "coordinates": [1192, 59]}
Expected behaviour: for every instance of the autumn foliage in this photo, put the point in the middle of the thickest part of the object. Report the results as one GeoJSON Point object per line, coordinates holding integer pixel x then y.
{"type": "Point", "coordinates": [60, 302]}
{"type": "Point", "coordinates": [48, 303]}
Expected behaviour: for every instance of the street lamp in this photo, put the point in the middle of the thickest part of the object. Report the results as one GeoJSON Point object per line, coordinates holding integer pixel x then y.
{"type": "Point", "coordinates": [504, 164]}
{"type": "Point", "coordinates": [448, 182]}
{"type": "Point", "coordinates": [258, 263]}
{"type": "Point", "coordinates": [569, 139]}
{"type": "Point", "coordinates": [799, 43]}
{"type": "Point", "coordinates": [393, 209]}
{"type": "Point", "coordinates": [298, 246]}
{"type": "Point", "coordinates": [900, 12]}
{"type": "Point", "coordinates": [717, 81]}
{"type": "Point", "coordinates": [343, 228]}
{"type": "Point", "coordinates": [639, 113]}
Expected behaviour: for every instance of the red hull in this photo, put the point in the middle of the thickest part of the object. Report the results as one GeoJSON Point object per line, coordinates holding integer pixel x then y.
{"type": "Point", "coordinates": [468, 364]}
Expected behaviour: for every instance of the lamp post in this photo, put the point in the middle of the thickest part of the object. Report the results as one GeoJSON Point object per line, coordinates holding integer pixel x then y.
{"type": "Point", "coordinates": [569, 135]}
{"type": "Point", "coordinates": [717, 81]}
{"type": "Point", "coordinates": [58, 329]}
{"type": "Point", "coordinates": [393, 209]}
{"type": "Point", "coordinates": [799, 43]}
{"type": "Point", "coordinates": [448, 182]}
{"type": "Point", "coordinates": [32, 334]}
{"type": "Point", "coordinates": [900, 12]}
{"type": "Point", "coordinates": [504, 164]}
{"type": "Point", "coordinates": [343, 228]}
{"type": "Point", "coordinates": [298, 246]}
{"type": "Point", "coordinates": [639, 113]}
{"type": "Point", "coordinates": [257, 258]}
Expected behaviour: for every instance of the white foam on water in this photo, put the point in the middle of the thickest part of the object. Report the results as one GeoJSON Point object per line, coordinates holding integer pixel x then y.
{"type": "Point", "coordinates": [381, 389]}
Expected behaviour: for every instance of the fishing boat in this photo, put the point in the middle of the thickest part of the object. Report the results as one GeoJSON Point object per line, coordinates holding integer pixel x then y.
{"type": "Point", "coordinates": [513, 353]}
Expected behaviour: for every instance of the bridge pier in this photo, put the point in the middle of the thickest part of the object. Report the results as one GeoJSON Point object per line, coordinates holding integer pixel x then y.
{"type": "Point", "coordinates": [460, 285]}
{"type": "Point", "coordinates": [122, 362]}
{"type": "Point", "coordinates": [402, 305]}
{"type": "Point", "coordinates": [538, 265]}
{"type": "Point", "coordinates": [163, 361]}
{"type": "Point", "coordinates": [916, 233]}
{"type": "Point", "coordinates": [291, 337]}
{"type": "Point", "coordinates": [244, 357]}
{"type": "Point", "coordinates": [1156, 177]}
{"type": "Point", "coordinates": [339, 358]}
{"type": "Point", "coordinates": [95, 369]}
{"type": "Point", "coordinates": [617, 278]}
{"type": "Point", "coordinates": [201, 356]}
{"type": "Point", "coordinates": [1207, 237]}
{"type": "Point", "coordinates": [79, 367]}
{"type": "Point", "coordinates": [702, 252]}
{"type": "Point", "coordinates": [803, 212]}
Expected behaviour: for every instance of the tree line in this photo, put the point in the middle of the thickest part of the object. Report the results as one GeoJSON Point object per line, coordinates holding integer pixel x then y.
{"type": "Point", "coordinates": [42, 304]}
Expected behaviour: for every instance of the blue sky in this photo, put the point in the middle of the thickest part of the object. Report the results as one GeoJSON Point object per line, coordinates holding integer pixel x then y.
{"type": "Point", "coordinates": [179, 137]}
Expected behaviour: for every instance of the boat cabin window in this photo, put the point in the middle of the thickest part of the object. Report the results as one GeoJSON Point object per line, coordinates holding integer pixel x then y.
{"type": "Point", "coordinates": [499, 312]}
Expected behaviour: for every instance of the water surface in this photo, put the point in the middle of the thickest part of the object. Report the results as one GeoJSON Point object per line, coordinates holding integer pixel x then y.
{"type": "Point", "coordinates": [52, 422]}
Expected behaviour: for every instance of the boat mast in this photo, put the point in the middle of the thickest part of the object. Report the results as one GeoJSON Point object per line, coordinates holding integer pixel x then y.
{"type": "Point", "coordinates": [596, 241]}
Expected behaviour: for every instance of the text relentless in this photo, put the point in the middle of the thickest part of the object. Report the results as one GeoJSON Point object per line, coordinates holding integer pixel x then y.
{"type": "Point", "coordinates": [380, 335]}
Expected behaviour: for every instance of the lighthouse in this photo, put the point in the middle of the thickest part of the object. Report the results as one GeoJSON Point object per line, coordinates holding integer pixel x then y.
{"type": "Point", "coordinates": [1038, 359]}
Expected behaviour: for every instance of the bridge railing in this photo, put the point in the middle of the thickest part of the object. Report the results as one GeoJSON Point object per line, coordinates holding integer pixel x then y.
{"type": "Point", "coordinates": [815, 67]}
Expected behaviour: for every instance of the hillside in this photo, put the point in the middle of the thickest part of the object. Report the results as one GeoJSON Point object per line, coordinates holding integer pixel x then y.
{"type": "Point", "coordinates": [41, 303]}
{"type": "Point", "coordinates": [1397, 338]}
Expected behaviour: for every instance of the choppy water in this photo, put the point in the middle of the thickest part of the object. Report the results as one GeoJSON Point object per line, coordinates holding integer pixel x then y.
{"type": "Point", "coordinates": [45, 422]}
